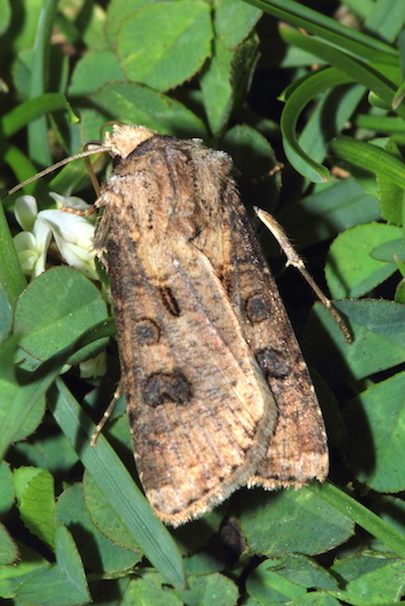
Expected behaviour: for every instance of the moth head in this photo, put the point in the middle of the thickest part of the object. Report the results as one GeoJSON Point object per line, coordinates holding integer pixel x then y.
{"type": "Point", "coordinates": [124, 139]}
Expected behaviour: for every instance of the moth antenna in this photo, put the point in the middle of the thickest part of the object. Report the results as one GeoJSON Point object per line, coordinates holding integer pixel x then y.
{"type": "Point", "coordinates": [294, 259]}
{"type": "Point", "coordinates": [84, 154]}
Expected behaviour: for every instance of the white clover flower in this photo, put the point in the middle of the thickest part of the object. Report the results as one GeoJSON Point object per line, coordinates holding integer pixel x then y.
{"type": "Point", "coordinates": [33, 243]}
{"type": "Point", "coordinates": [94, 367]}
{"type": "Point", "coordinates": [26, 211]}
{"type": "Point", "coordinates": [72, 233]}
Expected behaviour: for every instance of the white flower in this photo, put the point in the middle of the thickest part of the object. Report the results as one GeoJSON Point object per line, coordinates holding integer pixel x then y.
{"type": "Point", "coordinates": [26, 210]}
{"type": "Point", "coordinates": [31, 245]}
{"type": "Point", "coordinates": [73, 235]}
{"type": "Point", "coordinates": [94, 367]}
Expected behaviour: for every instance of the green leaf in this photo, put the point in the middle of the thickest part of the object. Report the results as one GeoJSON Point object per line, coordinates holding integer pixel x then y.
{"type": "Point", "coordinates": [164, 44]}
{"type": "Point", "coordinates": [9, 391]}
{"type": "Point", "coordinates": [370, 157]}
{"type": "Point", "coordinates": [19, 402]}
{"type": "Point", "coordinates": [329, 117]}
{"type": "Point", "coordinates": [281, 580]}
{"type": "Point", "coordinates": [56, 309]}
{"type": "Point", "coordinates": [37, 129]}
{"type": "Point", "coordinates": [266, 585]}
{"type": "Point", "coordinates": [291, 521]}
{"type": "Point", "coordinates": [204, 562]}
{"type": "Point", "coordinates": [386, 19]}
{"type": "Point", "coordinates": [32, 420]}
{"type": "Point", "coordinates": [391, 510]}
{"type": "Point", "coordinates": [211, 589]}
{"type": "Point", "coordinates": [357, 512]}
{"type": "Point", "coordinates": [315, 598]}
{"type": "Point", "coordinates": [97, 551]}
{"type": "Point", "coordinates": [370, 580]}
{"type": "Point", "coordinates": [227, 74]}
{"type": "Point", "coordinates": [8, 549]}
{"type": "Point", "coordinates": [119, 488]}
{"type": "Point", "coordinates": [136, 104]}
{"type": "Point", "coordinates": [104, 515]}
{"type": "Point", "coordinates": [6, 489]}
{"type": "Point", "coordinates": [91, 26]}
{"type": "Point", "coordinates": [384, 318]}
{"type": "Point", "coordinates": [28, 565]}
{"type": "Point", "coordinates": [382, 84]}
{"type": "Point", "coordinates": [26, 33]}
{"type": "Point", "coordinates": [12, 280]}
{"type": "Point", "coordinates": [16, 422]}
{"type": "Point", "coordinates": [297, 571]}
{"type": "Point", "coordinates": [6, 315]}
{"type": "Point", "coordinates": [391, 252]}
{"type": "Point", "coordinates": [23, 114]}
{"type": "Point", "coordinates": [22, 168]}
{"type": "Point", "coordinates": [226, 78]}
{"type": "Point", "coordinates": [327, 212]}
{"type": "Point", "coordinates": [47, 449]}
{"type": "Point", "coordinates": [400, 292]}
{"type": "Point", "coordinates": [351, 271]}
{"type": "Point", "coordinates": [378, 431]}
{"type": "Point", "coordinates": [391, 196]}
{"type": "Point", "coordinates": [378, 329]}
{"type": "Point", "coordinates": [288, 579]}
{"type": "Point", "coordinates": [148, 590]}
{"type": "Point", "coordinates": [329, 29]}
{"type": "Point", "coordinates": [234, 20]}
{"type": "Point", "coordinates": [254, 158]}
{"type": "Point", "coordinates": [64, 584]}
{"type": "Point", "coordinates": [383, 124]}
{"type": "Point", "coordinates": [297, 100]}
{"type": "Point", "coordinates": [119, 11]}
{"type": "Point", "coordinates": [87, 77]}
{"type": "Point", "coordinates": [5, 15]}
{"type": "Point", "coordinates": [36, 501]}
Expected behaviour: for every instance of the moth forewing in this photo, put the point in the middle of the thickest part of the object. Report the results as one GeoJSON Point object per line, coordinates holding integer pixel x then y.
{"type": "Point", "coordinates": [201, 411]}
{"type": "Point", "coordinates": [297, 452]}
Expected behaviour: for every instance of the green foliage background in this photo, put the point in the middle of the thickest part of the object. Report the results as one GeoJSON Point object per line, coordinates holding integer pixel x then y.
{"type": "Point", "coordinates": [328, 98]}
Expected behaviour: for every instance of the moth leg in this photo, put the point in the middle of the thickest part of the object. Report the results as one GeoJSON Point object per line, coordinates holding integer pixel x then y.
{"type": "Point", "coordinates": [107, 414]}
{"type": "Point", "coordinates": [294, 259]}
{"type": "Point", "coordinates": [77, 211]}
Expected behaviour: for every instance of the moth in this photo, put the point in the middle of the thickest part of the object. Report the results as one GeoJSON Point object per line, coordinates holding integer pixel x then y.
{"type": "Point", "coordinates": [217, 391]}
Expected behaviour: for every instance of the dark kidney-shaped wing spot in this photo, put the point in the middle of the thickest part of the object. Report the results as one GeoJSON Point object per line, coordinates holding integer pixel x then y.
{"type": "Point", "coordinates": [162, 387]}
{"type": "Point", "coordinates": [257, 308]}
{"type": "Point", "coordinates": [169, 301]}
{"type": "Point", "coordinates": [147, 331]}
{"type": "Point", "coordinates": [273, 362]}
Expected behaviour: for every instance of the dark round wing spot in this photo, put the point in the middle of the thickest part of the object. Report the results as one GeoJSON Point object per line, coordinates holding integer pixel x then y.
{"type": "Point", "coordinates": [274, 363]}
{"type": "Point", "coordinates": [161, 387]}
{"type": "Point", "coordinates": [147, 331]}
{"type": "Point", "coordinates": [257, 308]}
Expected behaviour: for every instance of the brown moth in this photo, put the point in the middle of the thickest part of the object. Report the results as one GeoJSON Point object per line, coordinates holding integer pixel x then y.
{"type": "Point", "coordinates": [218, 393]}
